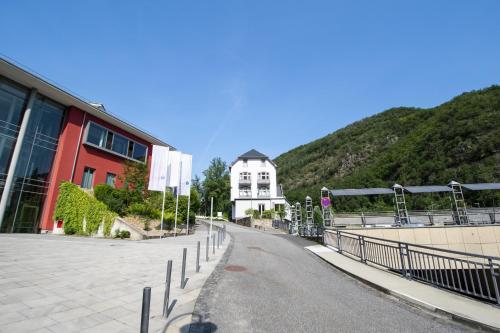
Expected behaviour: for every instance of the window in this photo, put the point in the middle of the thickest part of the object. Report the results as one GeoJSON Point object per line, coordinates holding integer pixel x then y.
{"type": "Point", "coordinates": [88, 178]}
{"type": "Point", "coordinates": [120, 145]}
{"type": "Point", "coordinates": [263, 192]}
{"type": "Point", "coordinates": [245, 176]}
{"type": "Point", "coordinates": [245, 163]}
{"type": "Point", "coordinates": [96, 135]}
{"type": "Point", "coordinates": [263, 175]}
{"type": "Point", "coordinates": [101, 137]}
{"type": "Point", "coordinates": [262, 208]}
{"type": "Point", "coordinates": [110, 179]}
{"type": "Point", "coordinates": [263, 163]}
{"type": "Point", "coordinates": [245, 192]}
{"type": "Point", "coordinates": [140, 152]}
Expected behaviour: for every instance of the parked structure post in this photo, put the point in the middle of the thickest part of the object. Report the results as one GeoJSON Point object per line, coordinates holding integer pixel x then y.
{"type": "Point", "coordinates": [361, 249]}
{"type": "Point", "coordinates": [494, 279]}
{"type": "Point", "coordinates": [218, 238]}
{"type": "Point", "coordinates": [339, 242]}
{"type": "Point", "coordinates": [183, 272]}
{"type": "Point", "coordinates": [208, 243]}
{"type": "Point", "coordinates": [213, 242]}
{"type": "Point", "coordinates": [166, 296]}
{"type": "Point", "coordinates": [146, 301]}
{"type": "Point", "coordinates": [401, 257]}
{"type": "Point", "coordinates": [198, 257]}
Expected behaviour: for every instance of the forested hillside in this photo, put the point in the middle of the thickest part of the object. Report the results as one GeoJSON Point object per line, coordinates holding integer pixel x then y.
{"type": "Point", "coordinates": [458, 140]}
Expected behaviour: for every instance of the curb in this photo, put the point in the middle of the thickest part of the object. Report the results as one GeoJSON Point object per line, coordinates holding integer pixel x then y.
{"type": "Point", "coordinates": [416, 302]}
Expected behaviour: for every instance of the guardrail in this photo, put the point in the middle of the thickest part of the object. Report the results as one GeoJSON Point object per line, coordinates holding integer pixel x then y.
{"type": "Point", "coordinates": [466, 273]}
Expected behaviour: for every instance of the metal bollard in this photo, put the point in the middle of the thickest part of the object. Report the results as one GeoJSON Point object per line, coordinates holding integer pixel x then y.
{"type": "Point", "coordinates": [198, 257]}
{"type": "Point", "coordinates": [146, 301]}
{"type": "Point", "coordinates": [213, 242]}
{"type": "Point", "coordinates": [208, 243]}
{"type": "Point", "coordinates": [183, 272]}
{"type": "Point", "coordinates": [166, 296]}
{"type": "Point", "coordinates": [218, 238]}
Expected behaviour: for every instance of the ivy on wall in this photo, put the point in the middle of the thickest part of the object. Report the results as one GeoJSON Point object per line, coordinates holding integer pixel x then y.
{"type": "Point", "coordinates": [74, 204]}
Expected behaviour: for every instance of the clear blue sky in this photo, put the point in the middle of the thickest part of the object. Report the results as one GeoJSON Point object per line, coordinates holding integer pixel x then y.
{"type": "Point", "coordinates": [217, 78]}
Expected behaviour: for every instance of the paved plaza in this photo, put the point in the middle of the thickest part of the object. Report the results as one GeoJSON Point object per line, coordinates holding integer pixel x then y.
{"type": "Point", "coordinates": [73, 284]}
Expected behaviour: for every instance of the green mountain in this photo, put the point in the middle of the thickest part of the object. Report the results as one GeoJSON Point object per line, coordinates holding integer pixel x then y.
{"type": "Point", "coordinates": [458, 140]}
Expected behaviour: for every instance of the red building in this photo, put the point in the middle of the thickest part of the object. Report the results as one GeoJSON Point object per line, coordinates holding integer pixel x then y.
{"type": "Point", "coordinates": [47, 136]}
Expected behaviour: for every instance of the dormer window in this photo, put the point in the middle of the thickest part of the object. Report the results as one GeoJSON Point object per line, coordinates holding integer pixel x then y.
{"type": "Point", "coordinates": [263, 163]}
{"type": "Point", "coordinates": [245, 163]}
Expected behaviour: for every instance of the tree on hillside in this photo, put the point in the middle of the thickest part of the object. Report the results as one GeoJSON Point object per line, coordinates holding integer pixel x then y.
{"type": "Point", "coordinates": [217, 185]}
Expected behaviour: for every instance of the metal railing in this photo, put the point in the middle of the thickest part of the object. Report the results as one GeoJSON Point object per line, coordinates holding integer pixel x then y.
{"type": "Point", "coordinates": [466, 273]}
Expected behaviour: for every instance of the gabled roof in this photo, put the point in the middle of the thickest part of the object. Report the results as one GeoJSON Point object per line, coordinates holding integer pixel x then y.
{"type": "Point", "coordinates": [252, 154]}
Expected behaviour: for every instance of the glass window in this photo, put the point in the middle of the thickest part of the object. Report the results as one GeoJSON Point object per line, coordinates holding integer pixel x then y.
{"type": "Point", "coordinates": [245, 176]}
{"type": "Point", "coordinates": [130, 148]}
{"type": "Point", "coordinates": [120, 145]}
{"type": "Point", "coordinates": [96, 135]}
{"type": "Point", "coordinates": [100, 136]}
{"type": "Point", "coordinates": [109, 140]}
{"type": "Point", "coordinates": [88, 178]}
{"type": "Point", "coordinates": [110, 179]}
{"type": "Point", "coordinates": [140, 152]}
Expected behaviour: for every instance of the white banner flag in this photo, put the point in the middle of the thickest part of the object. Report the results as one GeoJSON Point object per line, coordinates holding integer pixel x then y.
{"type": "Point", "coordinates": [174, 161]}
{"type": "Point", "coordinates": [159, 168]}
{"type": "Point", "coordinates": [187, 161]}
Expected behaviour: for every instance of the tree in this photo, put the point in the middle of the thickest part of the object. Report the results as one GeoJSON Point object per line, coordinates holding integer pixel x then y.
{"type": "Point", "coordinates": [217, 185]}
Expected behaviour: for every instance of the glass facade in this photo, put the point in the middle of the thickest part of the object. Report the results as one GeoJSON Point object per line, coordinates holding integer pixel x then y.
{"type": "Point", "coordinates": [12, 105]}
{"type": "Point", "coordinates": [31, 177]}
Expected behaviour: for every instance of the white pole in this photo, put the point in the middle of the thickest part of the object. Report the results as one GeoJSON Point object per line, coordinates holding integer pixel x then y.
{"type": "Point", "coordinates": [211, 214]}
{"type": "Point", "coordinates": [177, 199]}
{"type": "Point", "coordinates": [189, 202]}
{"type": "Point", "coordinates": [162, 212]}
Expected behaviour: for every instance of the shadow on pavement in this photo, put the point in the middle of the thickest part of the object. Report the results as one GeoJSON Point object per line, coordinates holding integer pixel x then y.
{"type": "Point", "coordinates": [197, 325]}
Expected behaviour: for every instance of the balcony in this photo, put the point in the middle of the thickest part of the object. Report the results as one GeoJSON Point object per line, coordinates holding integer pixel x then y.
{"type": "Point", "coordinates": [245, 182]}
{"type": "Point", "coordinates": [263, 181]}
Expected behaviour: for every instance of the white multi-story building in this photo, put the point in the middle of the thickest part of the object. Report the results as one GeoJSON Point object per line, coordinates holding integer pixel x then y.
{"type": "Point", "coordinates": [253, 185]}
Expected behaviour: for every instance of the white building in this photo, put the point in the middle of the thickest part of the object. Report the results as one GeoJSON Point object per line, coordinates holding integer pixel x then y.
{"type": "Point", "coordinates": [253, 185]}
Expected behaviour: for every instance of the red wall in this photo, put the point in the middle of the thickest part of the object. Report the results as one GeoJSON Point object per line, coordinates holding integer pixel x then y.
{"type": "Point", "coordinates": [87, 156]}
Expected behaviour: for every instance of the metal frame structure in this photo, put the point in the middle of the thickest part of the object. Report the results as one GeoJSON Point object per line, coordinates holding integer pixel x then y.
{"type": "Point", "coordinates": [298, 215]}
{"type": "Point", "coordinates": [293, 217]}
{"type": "Point", "coordinates": [309, 216]}
{"type": "Point", "coordinates": [460, 209]}
{"type": "Point", "coordinates": [460, 215]}
{"type": "Point", "coordinates": [401, 216]}
{"type": "Point", "coordinates": [326, 211]}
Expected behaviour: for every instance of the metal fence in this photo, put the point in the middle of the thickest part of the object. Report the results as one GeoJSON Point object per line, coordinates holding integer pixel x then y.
{"type": "Point", "coordinates": [466, 273]}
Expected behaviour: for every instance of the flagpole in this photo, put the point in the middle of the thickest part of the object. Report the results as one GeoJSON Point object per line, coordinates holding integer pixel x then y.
{"type": "Point", "coordinates": [162, 211]}
{"type": "Point", "coordinates": [177, 199]}
{"type": "Point", "coordinates": [189, 203]}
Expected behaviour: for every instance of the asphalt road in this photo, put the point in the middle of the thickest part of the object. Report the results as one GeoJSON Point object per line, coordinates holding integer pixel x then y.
{"type": "Point", "coordinates": [284, 288]}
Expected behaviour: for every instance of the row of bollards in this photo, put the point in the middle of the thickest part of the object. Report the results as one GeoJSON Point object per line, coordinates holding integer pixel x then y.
{"type": "Point", "coordinates": [167, 305]}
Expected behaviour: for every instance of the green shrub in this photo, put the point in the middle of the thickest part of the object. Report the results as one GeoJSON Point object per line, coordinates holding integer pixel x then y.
{"type": "Point", "coordinates": [73, 205]}
{"type": "Point", "coordinates": [122, 234]}
{"type": "Point", "coordinates": [143, 209]}
{"type": "Point", "coordinates": [268, 214]}
{"type": "Point", "coordinates": [169, 220]}
{"type": "Point", "coordinates": [114, 199]}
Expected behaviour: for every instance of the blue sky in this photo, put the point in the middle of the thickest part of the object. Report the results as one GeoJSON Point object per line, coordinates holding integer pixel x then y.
{"type": "Point", "coordinates": [217, 78]}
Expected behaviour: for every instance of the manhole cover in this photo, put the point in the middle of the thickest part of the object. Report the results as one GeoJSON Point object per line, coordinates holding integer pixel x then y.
{"type": "Point", "coordinates": [235, 268]}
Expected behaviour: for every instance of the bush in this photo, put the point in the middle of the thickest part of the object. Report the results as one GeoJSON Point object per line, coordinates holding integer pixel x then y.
{"type": "Point", "coordinates": [73, 205]}
{"type": "Point", "coordinates": [145, 210]}
{"type": "Point", "coordinates": [114, 199]}
{"type": "Point", "coordinates": [122, 234]}
{"type": "Point", "coordinates": [268, 214]}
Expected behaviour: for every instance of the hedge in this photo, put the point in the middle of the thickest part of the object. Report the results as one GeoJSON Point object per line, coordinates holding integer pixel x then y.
{"type": "Point", "coordinates": [73, 204]}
